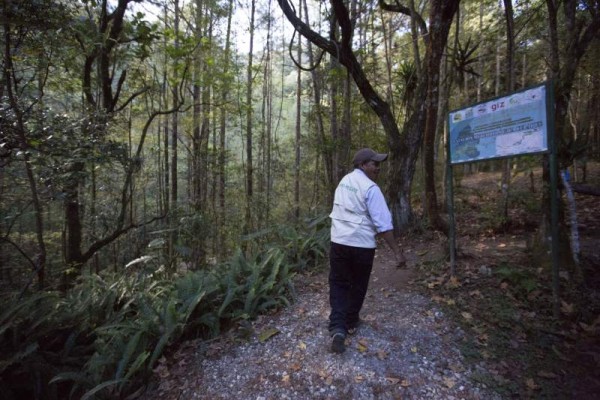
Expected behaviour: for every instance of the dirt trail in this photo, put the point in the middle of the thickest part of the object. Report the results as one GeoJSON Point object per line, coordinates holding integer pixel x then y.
{"type": "Point", "coordinates": [407, 348]}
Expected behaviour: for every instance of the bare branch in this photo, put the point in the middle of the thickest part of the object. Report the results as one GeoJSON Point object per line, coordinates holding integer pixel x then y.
{"type": "Point", "coordinates": [402, 9]}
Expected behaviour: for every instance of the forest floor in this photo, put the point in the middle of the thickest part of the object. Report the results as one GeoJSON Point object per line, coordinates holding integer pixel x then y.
{"type": "Point", "coordinates": [487, 333]}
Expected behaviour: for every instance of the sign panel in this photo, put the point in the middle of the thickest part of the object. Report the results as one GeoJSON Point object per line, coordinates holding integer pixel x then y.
{"type": "Point", "coordinates": [506, 126]}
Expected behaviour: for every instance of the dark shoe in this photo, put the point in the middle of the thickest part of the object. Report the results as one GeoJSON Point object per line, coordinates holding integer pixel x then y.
{"type": "Point", "coordinates": [337, 345]}
{"type": "Point", "coordinates": [352, 329]}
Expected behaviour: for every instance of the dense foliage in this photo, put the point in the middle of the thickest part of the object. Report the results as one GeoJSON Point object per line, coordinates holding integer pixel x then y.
{"type": "Point", "coordinates": [104, 337]}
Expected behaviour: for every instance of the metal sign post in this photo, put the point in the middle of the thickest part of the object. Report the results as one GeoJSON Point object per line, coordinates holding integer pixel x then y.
{"type": "Point", "coordinates": [553, 165]}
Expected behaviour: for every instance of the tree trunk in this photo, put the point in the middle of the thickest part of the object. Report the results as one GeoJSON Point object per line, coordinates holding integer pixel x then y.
{"type": "Point", "coordinates": [196, 163]}
{"type": "Point", "coordinates": [174, 135]}
{"type": "Point", "coordinates": [11, 87]}
{"type": "Point", "coordinates": [440, 18]}
{"type": "Point", "coordinates": [324, 148]}
{"type": "Point", "coordinates": [298, 129]}
{"type": "Point", "coordinates": [248, 225]}
{"type": "Point", "coordinates": [580, 32]}
{"type": "Point", "coordinates": [342, 51]}
{"type": "Point", "coordinates": [222, 138]}
{"type": "Point", "coordinates": [510, 87]}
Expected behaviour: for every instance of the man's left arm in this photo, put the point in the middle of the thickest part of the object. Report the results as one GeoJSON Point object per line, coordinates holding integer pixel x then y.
{"type": "Point", "coordinates": [382, 218]}
{"type": "Point", "coordinates": [388, 236]}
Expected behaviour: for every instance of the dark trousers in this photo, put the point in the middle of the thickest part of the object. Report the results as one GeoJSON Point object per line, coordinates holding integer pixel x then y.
{"type": "Point", "coordinates": [349, 273]}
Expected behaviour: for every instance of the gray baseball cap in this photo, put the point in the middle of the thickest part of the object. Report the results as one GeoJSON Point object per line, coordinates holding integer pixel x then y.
{"type": "Point", "coordinates": [366, 154]}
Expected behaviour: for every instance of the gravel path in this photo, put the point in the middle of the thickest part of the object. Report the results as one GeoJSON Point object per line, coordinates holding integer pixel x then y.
{"type": "Point", "coordinates": [406, 349]}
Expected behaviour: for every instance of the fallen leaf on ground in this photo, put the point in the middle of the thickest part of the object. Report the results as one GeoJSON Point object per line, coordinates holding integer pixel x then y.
{"type": "Point", "coordinates": [467, 315]}
{"type": "Point", "coordinates": [268, 334]}
{"type": "Point", "coordinates": [559, 354]}
{"type": "Point", "coordinates": [162, 371]}
{"type": "Point", "coordinates": [302, 345]}
{"type": "Point", "coordinates": [359, 378]}
{"type": "Point", "coordinates": [566, 307]}
{"type": "Point", "coordinates": [392, 380]}
{"type": "Point", "coordinates": [449, 382]}
{"type": "Point", "coordinates": [405, 383]}
{"type": "Point", "coordinates": [531, 384]}
{"type": "Point", "coordinates": [457, 368]}
{"type": "Point", "coordinates": [453, 282]}
{"type": "Point", "coordinates": [546, 374]}
{"type": "Point", "coordinates": [382, 354]}
{"type": "Point", "coordinates": [362, 346]}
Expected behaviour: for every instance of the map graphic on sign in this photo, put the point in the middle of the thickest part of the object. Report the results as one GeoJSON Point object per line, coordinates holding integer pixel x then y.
{"type": "Point", "coordinates": [507, 126]}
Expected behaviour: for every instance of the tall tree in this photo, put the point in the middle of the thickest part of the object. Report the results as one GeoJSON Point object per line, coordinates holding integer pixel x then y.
{"type": "Point", "coordinates": [298, 128]}
{"type": "Point", "coordinates": [567, 48]}
{"type": "Point", "coordinates": [196, 164]}
{"type": "Point", "coordinates": [441, 14]}
{"type": "Point", "coordinates": [317, 89]}
{"type": "Point", "coordinates": [341, 50]}
{"type": "Point", "coordinates": [403, 147]}
{"type": "Point", "coordinates": [174, 124]}
{"type": "Point", "coordinates": [248, 225]}
{"type": "Point", "coordinates": [510, 87]}
{"type": "Point", "coordinates": [222, 130]}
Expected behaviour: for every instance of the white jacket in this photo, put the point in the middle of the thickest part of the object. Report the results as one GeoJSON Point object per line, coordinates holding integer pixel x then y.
{"type": "Point", "coordinates": [351, 224]}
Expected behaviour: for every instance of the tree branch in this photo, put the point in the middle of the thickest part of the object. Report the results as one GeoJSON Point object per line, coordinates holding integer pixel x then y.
{"type": "Point", "coordinates": [7, 240]}
{"type": "Point", "coordinates": [399, 8]}
{"type": "Point", "coordinates": [96, 246]}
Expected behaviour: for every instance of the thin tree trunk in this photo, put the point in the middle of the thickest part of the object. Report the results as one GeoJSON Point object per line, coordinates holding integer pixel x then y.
{"type": "Point", "coordinates": [269, 120]}
{"type": "Point", "coordinates": [12, 92]}
{"type": "Point", "coordinates": [334, 64]}
{"type": "Point", "coordinates": [415, 38]}
{"type": "Point", "coordinates": [510, 83]}
{"type": "Point", "coordinates": [196, 169]}
{"type": "Point", "coordinates": [222, 137]}
{"type": "Point", "coordinates": [298, 128]}
{"type": "Point", "coordinates": [317, 93]}
{"type": "Point", "coordinates": [174, 131]}
{"type": "Point", "coordinates": [248, 226]}
{"type": "Point", "coordinates": [199, 169]}
{"type": "Point", "coordinates": [166, 134]}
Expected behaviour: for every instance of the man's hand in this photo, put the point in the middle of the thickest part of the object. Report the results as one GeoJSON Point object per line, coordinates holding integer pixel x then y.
{"type": "Point", "coordinates": [400, 260]}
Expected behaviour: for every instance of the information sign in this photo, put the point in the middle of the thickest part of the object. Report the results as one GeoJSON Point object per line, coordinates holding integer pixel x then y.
{"type": "Point", "coordinates": [506, 126]}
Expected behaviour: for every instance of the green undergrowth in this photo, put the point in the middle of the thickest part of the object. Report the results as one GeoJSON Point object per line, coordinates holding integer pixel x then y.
{"type": "Point", "coordinates": [102, 339]}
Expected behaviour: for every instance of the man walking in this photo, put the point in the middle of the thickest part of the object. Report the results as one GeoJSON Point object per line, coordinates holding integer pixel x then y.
{"type": "Point", "coordinates": [359, 214]}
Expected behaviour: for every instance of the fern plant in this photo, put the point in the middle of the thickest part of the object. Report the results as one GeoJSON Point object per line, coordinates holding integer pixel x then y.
{"type": "Point", "coordinates": [103, 338]}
